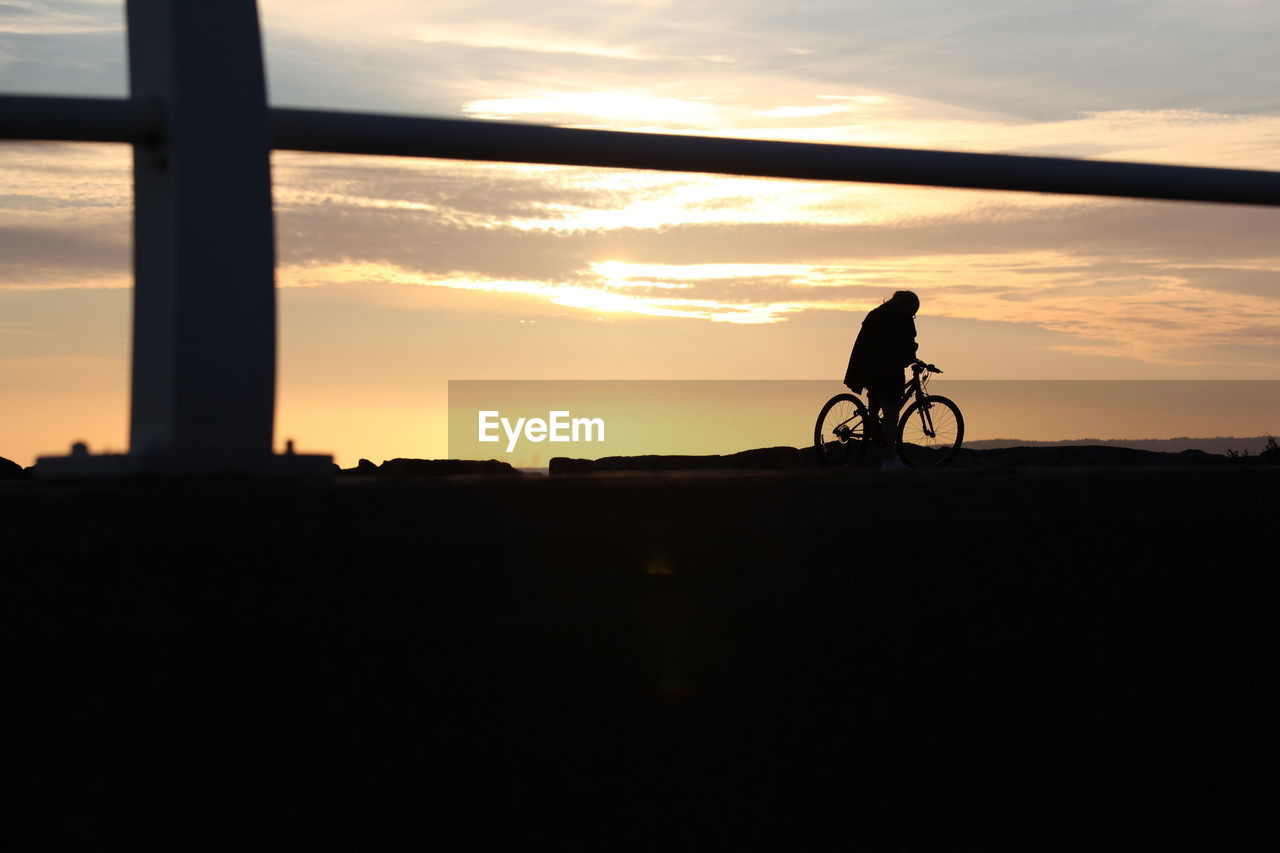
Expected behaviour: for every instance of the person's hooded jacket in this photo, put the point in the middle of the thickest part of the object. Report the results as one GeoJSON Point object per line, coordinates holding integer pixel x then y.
{"type": "Point", "coordinates": [886, 344]}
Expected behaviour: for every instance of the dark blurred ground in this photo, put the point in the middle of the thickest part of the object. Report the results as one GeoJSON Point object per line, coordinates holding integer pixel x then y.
{"type": "Point", "coordinates": [890, 660]}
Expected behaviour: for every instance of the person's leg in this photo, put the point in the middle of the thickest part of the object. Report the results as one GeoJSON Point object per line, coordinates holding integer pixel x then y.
{"type": "Point", "coordinates": [887, 401]}
{"type": "Point", "coordinates": [873, 412]}
{"type": "Point", "coordinates": [890, 407]}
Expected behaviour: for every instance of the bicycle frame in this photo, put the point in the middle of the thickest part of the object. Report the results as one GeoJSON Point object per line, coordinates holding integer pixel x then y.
{"type": "Point", "coordinates": [913, 387]}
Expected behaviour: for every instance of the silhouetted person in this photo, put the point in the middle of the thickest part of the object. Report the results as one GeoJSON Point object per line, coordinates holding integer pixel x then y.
{"type": "Point", "coordinates": [886, 344]}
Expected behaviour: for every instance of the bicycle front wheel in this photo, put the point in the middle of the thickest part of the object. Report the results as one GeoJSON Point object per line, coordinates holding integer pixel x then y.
{"type": "Point", "coordinates": [930, 432]}
{"type": "Point", "coordinates": [840, 435]}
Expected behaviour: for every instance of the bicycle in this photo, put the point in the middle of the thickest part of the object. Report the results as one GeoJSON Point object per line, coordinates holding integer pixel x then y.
{"type": "Point", "coordinates": [929, 432]}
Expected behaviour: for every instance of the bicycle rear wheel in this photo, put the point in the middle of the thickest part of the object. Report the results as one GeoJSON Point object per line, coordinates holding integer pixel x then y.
{"type": "Point", "coordinates": [840, 435]}
{"type": "Point", "coordinates": [930, 432]}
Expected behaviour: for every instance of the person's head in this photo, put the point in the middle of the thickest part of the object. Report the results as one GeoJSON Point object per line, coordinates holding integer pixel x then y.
{"type": "Point", "coordinates": [906, 302]}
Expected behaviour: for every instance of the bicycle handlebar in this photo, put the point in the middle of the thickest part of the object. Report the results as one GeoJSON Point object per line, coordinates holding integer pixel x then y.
{"type": "Point", "coordinates": [920, 366]}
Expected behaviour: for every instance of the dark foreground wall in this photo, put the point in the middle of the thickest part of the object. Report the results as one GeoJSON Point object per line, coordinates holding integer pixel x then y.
{"type": "Point", "coordinates": [887, 660]}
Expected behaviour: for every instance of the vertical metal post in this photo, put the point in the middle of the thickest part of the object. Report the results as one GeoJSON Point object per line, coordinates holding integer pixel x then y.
{"type": "Point", "coordinates": [204, 301]}
{"type": "Point", "coordinates": [204, 322]}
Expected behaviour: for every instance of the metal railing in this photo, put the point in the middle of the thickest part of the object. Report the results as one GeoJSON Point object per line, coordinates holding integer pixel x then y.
{"type": "Point", "coordinates": [204, 346]}
{"type": "Point", "coordinates": [141, 122]}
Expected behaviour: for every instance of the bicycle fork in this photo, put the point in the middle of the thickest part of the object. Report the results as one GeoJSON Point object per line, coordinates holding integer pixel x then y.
{"type": "Point", "coordinates": [926, 419]}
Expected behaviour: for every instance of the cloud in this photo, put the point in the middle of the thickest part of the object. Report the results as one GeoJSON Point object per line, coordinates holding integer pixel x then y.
{"type": "Point", "coordinates": [1143, 280]}
{"type": "Point", "coordinates": [63, 47]}
{"type": "Point", "coordinates": [1033, 61]}
{"type": "Point", "coordinates": [608, 107]}
{"type": "Point", "coordinates": [505, 37]}
{"type": "Point", "coordinates": [81, 257]}
{"type": "Point", "coordinates": [64, 215]}
{"type": "Point", "coordinates": [1260, 281]}
{"type": "Point", "coordinates": [22, 17]}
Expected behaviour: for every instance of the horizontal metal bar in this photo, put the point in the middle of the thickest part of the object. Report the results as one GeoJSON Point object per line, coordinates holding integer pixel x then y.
{"type": "Point", "coordinates": [470, 139]}
{"type": "Point", "coordinates": [79, 119]}
{"type": "Point", "coordinates": [138, 120]}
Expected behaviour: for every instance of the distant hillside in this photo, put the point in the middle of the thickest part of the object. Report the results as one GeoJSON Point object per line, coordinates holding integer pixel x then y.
{"type": "Point", "coordinates": [1218, 444]}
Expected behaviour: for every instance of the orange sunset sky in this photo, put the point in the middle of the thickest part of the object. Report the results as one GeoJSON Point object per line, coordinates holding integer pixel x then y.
{"type": "Point", "coordinates": [398, 275]}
